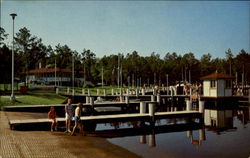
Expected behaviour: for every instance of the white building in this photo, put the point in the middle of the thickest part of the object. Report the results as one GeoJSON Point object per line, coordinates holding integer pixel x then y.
{"type": "Point", "coordinates": [217, 85]}
{"type": "Point", "coordinates": [52, 75]}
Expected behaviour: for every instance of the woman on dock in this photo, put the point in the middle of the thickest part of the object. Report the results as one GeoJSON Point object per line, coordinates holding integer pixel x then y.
{"type": "Point", "coordinates": [78, 122]}
{"type": "Point", "coordinates": [68, 114]}
{"type": "Point", "coordinates": [52, 117]}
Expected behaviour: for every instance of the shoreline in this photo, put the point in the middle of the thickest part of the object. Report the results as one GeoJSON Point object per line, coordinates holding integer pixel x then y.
{"type": "Point", "coordinates": [53, 144]}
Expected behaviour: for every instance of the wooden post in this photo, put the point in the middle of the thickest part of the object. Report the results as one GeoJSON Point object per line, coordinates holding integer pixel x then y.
{"type": "Point", "coordinates": [98, 92]}
{"type": "Point", "coordinates": [73, 92]}
{"type": "Point", "coordinates": [142, 107]}
{"type": "Point", "coordinates": [143, 139]}
{"type": "Point", "coordinates": [154, 91]}
{"type": "Point", "coordinates": [87, 99]}
{"type": "Point", "coordinates": [104, 92]}
{"type": "Point", "coordinates": [152, 98]}
{"type": "Point", "coordinates": [57, 90]}
{"type": "Point", "coordinates": [112, 91]}
{"type": "Point", "coordinates": [89, 92]}
{"type": "Point", "coordinates": [67, 90]}
{"type": "Point", "coordinates": [127, 99]}
{"type": "Point", "coordinates": [121, 95]}
{"type": "Point", "coordinates": [83, 91]}
{"type": "Point", "coordinates": [137, 92]}
{"type": "Point", "coordinates": [127, 91]}
{"type": "Point", "coordinates": [92, 101]}
{"type": "Point", "coordinates": [171, 91]}
{"type": "Point", "coordinates": [143, 91]}
{"type": "Point", "coordinates": [121, 98]}
{"type": "Point", "coordinates": [201, 107]}
{"type": "Point", "coordinates": [121, 92]}
{"type": "Point", "coordinates": [158, 98]}
{"type": "Point", "coordinates": [172, 108]}
{"type": "Point", "coordinates": [151, 110]}
{"type": "Point", "coordinates": [188, 105]}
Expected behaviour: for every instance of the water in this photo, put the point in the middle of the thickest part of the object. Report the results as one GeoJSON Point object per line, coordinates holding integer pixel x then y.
{"type": "Point", "coordinates": [225, 133]}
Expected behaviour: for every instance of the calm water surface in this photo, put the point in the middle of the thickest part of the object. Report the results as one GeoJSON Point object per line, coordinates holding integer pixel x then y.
{"type": "Point", "coordinates": [225, 133]}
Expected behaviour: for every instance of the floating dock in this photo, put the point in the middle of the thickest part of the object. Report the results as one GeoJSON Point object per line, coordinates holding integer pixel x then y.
{"type": "Point", "coordinates": [146, 117]}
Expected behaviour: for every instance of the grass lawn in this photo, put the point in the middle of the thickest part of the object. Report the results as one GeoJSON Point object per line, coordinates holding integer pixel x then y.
{"type": "Point", "coordinates": [33, 98]}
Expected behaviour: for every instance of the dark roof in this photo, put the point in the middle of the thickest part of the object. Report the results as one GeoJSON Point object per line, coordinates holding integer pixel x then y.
{"type": "Point", "coordinates": [49, 70]}
{"type": "Point", "coordinates": [217, 75]}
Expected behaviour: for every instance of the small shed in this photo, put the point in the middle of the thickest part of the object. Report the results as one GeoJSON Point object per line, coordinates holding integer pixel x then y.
{"type": "Point", "coordinates": [217, 85]}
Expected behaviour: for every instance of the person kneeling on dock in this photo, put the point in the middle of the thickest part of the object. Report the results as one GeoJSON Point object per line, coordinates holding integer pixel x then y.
{"type": "Point", "coordinates": [78, 122]}
{"type": "Point", "coordinates": [52, 117]}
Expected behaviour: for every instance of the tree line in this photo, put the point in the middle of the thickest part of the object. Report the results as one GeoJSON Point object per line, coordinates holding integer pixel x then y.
{"type": "Point", "coordinates": [123, 69]}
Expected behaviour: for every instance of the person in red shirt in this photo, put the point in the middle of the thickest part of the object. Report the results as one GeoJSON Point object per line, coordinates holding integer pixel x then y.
{"type": "Point", "coordinates": [52, 117]}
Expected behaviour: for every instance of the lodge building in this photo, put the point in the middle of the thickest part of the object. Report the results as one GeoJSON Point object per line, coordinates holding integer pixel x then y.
{"type": "Point", "coordinates": [50, 76]}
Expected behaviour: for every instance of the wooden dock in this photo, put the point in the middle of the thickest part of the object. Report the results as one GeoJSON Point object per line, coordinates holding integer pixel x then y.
{"type": "Point", "coordinates": [146, 117]}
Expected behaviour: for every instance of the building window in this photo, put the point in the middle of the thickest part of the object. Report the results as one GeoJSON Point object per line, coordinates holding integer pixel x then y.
{"type": "Point", "coordinates": [228, 84]}
{"type": "Point", "coordinates": [212, 83]}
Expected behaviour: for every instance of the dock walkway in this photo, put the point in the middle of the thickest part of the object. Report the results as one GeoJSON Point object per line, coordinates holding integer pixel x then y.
{"type": "Point", "coordinates": [146, 117]}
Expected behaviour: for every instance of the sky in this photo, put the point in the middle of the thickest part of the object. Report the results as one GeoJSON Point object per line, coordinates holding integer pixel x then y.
{"type": "Point", "coordinates": [112, 27]}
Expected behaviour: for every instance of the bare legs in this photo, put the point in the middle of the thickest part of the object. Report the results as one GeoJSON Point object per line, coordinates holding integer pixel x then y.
{"type": "Point", "coordinates": [68, 125]}
{"type": "Point", "coordinates": [78, 124]}
{"type": "Point", "coordinates": [53, 125]}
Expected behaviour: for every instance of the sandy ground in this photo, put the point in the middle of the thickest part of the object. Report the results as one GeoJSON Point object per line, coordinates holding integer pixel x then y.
{"type": "Point", "coordinates": [46, 144]}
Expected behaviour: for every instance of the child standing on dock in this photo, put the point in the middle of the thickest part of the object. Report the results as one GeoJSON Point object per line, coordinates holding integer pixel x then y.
{"type": "Point", "coordinates": [52, 116]}
{"type": "Point", "coordinates": [78, 122]}
{"type": "Point", "coordinates": [68, 114]}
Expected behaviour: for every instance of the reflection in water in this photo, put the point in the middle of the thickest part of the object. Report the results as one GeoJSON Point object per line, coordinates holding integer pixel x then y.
{"type": "Point", "coordinates": [193, 141]}
{"type": "Point", "coordinates": [243, 114]}
{"type": "Point", "coordinates": [222, 120]}
{"type": "Point", "coordinates": [219, 120]}
{"type": "Point", "coordinates": [224, 128]}
{"type": "Point", "coordinates": [197, 142]}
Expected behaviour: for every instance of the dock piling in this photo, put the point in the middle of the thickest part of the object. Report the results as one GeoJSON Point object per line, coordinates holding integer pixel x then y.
{"type": "Point", "coordinates": [188, 105]}
{"type": "Point", "coordinates": [104, 92]}
{"type": "Point", "coordinates": [151, 109]}
{"type": "Point", "coordinates": [127, 99]}
{"type": "Point", "coordinates": [89, 92]}
{"type": "Point", "coordinates": [152, 98]}
{"type": "Point", "coordinates": [158, 99]}
{"type": "Point", "coordinates": [137, 92]}
{"type": "Point", "coordinates": [91, 101]}
{"type": "Point", "coordinates": [143, 91]}
{"type": "Point", "coordinates": [87, 99]}
{"type": "Point", "coordinates": [201, 107]}
{"type": "Point", "coordinates": [142, 107]}
{"type": "Point", "coordinates": [127, 91]}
